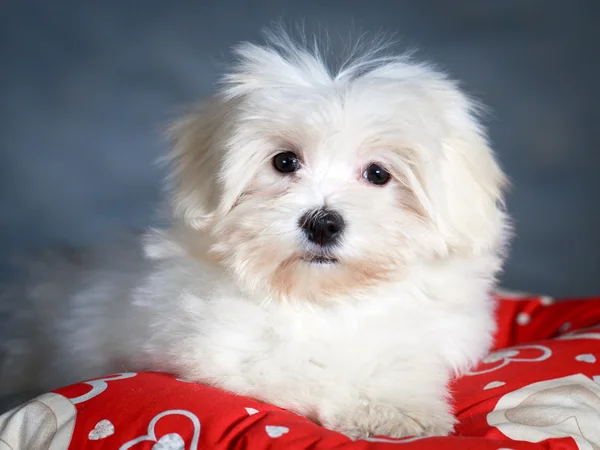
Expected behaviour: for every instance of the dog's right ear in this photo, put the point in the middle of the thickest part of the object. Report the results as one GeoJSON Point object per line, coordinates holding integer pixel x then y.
{"type": "Point", "coordinates": [195, 162]}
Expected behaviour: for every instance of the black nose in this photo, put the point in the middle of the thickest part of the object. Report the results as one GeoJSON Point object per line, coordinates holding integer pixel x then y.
{"type": "Point", "coordinates": [323, 227]}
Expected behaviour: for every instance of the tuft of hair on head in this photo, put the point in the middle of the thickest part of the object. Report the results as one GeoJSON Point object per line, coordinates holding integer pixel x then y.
{"type": "Point", "coordinates": [301, 59]}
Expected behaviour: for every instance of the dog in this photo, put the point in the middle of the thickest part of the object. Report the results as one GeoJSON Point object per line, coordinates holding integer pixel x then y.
{"type": "Point", "coordinates": [335, 236]}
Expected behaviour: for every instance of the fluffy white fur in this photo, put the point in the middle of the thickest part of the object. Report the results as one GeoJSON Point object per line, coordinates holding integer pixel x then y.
{"type": "Point", "coordinates": [225, 296]}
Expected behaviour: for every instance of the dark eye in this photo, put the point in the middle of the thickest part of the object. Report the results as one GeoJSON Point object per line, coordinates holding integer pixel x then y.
{"type": "Point", "coordinates": [286, 162]}
{"type": "Point", "coordinates": [376, 174]}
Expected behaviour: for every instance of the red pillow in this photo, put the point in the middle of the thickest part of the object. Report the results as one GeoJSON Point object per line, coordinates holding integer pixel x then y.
{"type": "Point", "coordinates": [540, 391]}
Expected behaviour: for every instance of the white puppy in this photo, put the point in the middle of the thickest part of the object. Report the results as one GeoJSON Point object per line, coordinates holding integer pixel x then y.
{"type": "Point", "coordinates": [336, 235]}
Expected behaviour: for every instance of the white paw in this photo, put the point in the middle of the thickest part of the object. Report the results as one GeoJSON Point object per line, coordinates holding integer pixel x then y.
{"type": "Point", "coordinates": [378, 419]}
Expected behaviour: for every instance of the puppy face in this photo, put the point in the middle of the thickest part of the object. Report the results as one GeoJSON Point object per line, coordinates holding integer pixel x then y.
{"type": "Point", "coordinates": [315, 186]}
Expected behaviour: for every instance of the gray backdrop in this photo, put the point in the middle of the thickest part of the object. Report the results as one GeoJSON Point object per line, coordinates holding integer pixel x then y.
{"type": "Point", "coordinates": [85, 88]}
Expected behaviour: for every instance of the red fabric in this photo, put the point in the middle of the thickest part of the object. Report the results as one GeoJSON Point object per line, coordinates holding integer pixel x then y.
{"type": "Point", "coordinates": [549, 353]}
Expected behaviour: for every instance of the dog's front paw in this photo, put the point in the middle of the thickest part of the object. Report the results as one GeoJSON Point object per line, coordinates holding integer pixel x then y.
{"type": "Point", "coordinates": [377, 419]}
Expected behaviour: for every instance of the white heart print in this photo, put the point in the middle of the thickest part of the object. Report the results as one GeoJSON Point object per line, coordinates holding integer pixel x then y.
{"type": "Point", "coordinates": [550, 409]}
{"type": "Point", "coordinates": [171, 441]}
{"type": "Point", "coordinates": [99, 386]}
{"type": "Point", "coordinates": [493, 384]}
{"type": "Point", "coordinates": [102, 430]}
{"type": "Point", "coordinates": [276, 431]}
{"type": "Point", "coordinates": [511, 355]}
{"type": "Point", "coordinates": [586, 357]}
{"type": "Point", "coordinates": [523, 319]}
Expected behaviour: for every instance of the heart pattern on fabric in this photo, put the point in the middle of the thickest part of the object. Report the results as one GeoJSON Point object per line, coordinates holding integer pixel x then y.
{"type": "Point", "coordinates": [586, 357]}
{"type": "Point", "coordinates": [171, 441]}
{"type": "Point", "coordinates": [251, 411]}
{"type": "Point", "coordinates": [502, 358]}
{"type": "Point", "coordinates": [493, 384]}
{"type": "Point", "coordinates": [539, 411]}
{"type": "Point", "coordinates": [523, 319]}
{"type": "Point", "coordinates": [276, 431]}
{"type": "Point", "coordinates": [99, 386]}
{"type": "Point", "coordinates": [102, 430]}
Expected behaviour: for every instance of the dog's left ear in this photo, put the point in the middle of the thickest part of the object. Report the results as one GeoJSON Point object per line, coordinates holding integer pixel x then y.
{"type": "Point", "coordinates": [195, 163]}
{"type": "Point", "coordinates": [469, 196]}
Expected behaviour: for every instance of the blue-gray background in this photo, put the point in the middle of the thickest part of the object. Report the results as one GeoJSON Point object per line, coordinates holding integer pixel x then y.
{"type": "Point", "coordinates": [86, 87]}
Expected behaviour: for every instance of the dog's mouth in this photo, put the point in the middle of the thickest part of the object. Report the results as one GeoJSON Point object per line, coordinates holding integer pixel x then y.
{"type": "Point", "coordinates": [320, 259]}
